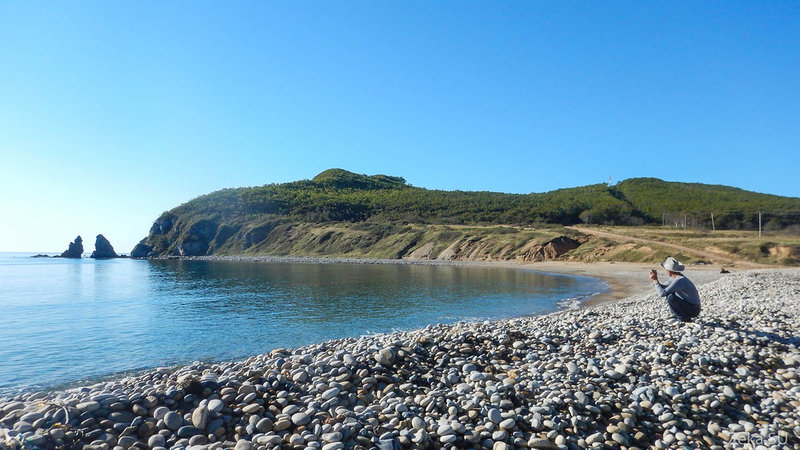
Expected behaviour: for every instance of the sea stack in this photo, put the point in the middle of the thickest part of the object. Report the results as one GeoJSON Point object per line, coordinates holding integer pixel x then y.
{"type": "Point", "coordinates": [103, 248]}
{"type": "Point", "coordinates": [75, 249]}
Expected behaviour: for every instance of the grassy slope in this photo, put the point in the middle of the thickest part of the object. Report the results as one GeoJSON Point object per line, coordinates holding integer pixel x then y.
{"type": "Point", "coordinates": [773, 248]}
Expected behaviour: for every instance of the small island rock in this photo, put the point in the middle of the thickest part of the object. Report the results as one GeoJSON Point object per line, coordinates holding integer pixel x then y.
{"type": "Point", "coordinates": [103, 248]}
{"type": "Point", "coordinates": [75, 249]}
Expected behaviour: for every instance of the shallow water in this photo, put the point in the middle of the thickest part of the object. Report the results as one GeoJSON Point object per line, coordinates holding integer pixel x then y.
{"type": "Point", "coordinates": [62, 321]}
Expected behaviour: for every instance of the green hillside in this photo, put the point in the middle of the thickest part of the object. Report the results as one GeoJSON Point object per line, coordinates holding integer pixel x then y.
{"type": "Point", "coordinates": [338, 195]}
{"type": "Point", "coordinates": [733, 208]}
{"type": "Point", "coordinates": [255, 220]}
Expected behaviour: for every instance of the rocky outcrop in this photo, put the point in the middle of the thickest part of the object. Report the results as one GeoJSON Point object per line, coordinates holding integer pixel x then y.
{"type": "Point", "coordinates": [142, 250]}
{"type": "Point", "coordinates": [256, 235]}
{"type": "Point", "coordinates": [477, 249]}
{"type": "Point", "coordinates": [224, 232]}
{"type": "Point", "coordinates": [75, 249]}
{"type": "Point", "coordinates": [103, 248]}
{"type": "Point", "coordinates": [423, 252]}
{"type": "Point", "coordinates": [550, 250]}
{"type": "Point", "coordinates": [198, 238]}
{"type": "Point", "coordinates": [172, 235]}
{"type": "Point", "coordinates": [163, 234]}
{"type": "Point", "coordinates": [470, 248]}
{"type": "Point", "coordinates": [163, 224]}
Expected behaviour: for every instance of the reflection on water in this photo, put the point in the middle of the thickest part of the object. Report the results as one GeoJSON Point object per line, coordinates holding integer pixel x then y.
{"type": "Point", "coordinates": [65, 320]}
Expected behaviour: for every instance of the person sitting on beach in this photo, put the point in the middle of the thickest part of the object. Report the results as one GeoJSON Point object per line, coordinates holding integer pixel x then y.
{"type": "Point", "coordinates": [681, 293]}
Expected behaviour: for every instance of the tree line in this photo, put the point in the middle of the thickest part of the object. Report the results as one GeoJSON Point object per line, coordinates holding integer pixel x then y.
{"type": "Point", "coordinates": [338, 195]}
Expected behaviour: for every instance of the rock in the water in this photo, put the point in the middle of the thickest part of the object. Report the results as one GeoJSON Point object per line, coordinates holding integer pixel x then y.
{"type": "Point", "coordinates": [75, 249]}
{"type": "Point", "coordinates": [103, 248]}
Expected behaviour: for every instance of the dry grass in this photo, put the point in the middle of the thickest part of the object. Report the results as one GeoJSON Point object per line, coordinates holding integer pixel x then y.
{"type": "Point", "coordinates": [771, 248]}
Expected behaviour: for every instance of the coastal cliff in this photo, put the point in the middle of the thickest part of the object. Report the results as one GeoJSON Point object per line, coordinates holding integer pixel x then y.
{"type": "Point", "coordinates": [339, 213]}
{"type": "Point", "coordinates": [368, 240]}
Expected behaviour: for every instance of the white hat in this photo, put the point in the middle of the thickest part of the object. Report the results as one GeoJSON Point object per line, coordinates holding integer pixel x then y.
{"type": "Point", "coordinates": [673, 265]}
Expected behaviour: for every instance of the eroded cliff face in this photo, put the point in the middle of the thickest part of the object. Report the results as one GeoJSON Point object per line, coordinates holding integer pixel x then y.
{"type": "Point", "coordinates": [782, 252]}
{"type": "Point", "coordinates": [173, 236]}
{"type": "Point", "coordinates": [476, 249]}
{"type": "Point", "coordinates": [551, 250]}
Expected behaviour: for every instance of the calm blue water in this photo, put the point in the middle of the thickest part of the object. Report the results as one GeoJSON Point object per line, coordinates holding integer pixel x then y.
{"type": "Point", "coordinates": [62, 321]}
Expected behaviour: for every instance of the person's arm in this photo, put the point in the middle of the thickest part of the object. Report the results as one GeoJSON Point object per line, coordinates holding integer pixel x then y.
{"type": "Point", "coordinates": [672, 287]}
{"type": "Point", "coordinates": [660, 288]}
{"type": "Point", "coordinates": [654, 278]}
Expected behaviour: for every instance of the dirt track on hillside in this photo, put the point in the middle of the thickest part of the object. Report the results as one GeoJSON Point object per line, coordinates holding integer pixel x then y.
{"type": "Point", "coordinates": [721, 258]}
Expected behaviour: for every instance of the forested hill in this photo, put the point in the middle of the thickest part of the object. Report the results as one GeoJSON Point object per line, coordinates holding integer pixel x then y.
{"type": "Point", "coordinates": [237, 220]}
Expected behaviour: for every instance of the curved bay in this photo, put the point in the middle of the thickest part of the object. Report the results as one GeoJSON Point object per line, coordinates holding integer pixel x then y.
{"type": "Point", "coordinates": [69, 320]}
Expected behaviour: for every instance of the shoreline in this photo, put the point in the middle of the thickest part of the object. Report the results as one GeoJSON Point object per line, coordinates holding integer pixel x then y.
{"type": "Point", "coordinates": [624, 279]}
{"type": "Point", "coordinates": [618, 374]}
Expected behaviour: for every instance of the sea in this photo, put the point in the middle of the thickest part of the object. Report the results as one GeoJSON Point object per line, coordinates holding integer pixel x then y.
{"type": "Point", "coordinates": [68, 322]}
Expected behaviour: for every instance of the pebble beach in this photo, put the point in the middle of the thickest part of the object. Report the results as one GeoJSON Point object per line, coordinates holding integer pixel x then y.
{"type": "Point", "coordinates": [620, 375]}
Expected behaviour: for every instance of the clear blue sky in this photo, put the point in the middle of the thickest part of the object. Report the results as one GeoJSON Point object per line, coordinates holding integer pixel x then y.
{"type": "Point", "coordinates": [113, 112]}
